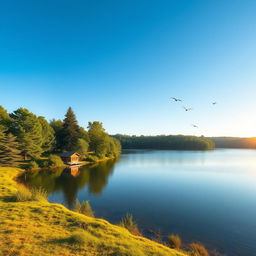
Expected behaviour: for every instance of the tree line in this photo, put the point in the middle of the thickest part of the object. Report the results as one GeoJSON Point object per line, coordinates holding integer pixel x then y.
{"type": "Point", "coordinates": [175, 142]}
{"type": "Point", "coordinates": [234, 142]}
{"type": "Point", "coordinates": [23, 135]}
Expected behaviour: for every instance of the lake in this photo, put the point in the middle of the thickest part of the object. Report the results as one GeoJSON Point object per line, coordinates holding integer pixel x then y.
{"type": "Point", "coordinates": [205, 196]}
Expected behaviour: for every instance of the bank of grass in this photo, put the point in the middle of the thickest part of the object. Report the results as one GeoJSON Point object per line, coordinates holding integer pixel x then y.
{"type": "Point", "coordinates": [44, 229]}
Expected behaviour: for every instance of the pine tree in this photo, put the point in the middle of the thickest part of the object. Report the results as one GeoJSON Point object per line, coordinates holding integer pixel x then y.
{"type": "Point", "coordinates": [28, 130]}
{"type": "Point", "coordinates": [9, 152]}
{"type": "Point", "coordinates": [71, 130]}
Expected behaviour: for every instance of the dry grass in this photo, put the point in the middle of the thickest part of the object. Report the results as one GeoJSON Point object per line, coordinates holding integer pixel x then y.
{"type": "Point", "coordinates": [175, 241]}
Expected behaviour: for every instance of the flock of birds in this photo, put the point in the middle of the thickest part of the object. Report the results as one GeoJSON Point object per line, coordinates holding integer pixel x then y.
{"type": "Point", "coordinates": [189, 109]}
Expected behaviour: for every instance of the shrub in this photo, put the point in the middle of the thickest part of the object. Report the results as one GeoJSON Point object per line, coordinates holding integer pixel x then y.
{"type": "Point", "coordinates": [174, 241]}
{"type": "Point", "coordinates": [78, 237]}
{"type": "Point", "coordinates": [197, 249]}
{"type": "Point", "coordinates": [128, 223]}
{"type": "Point", "coordinates": [39, 194]}
{"type": "Point", "coordinates": [23, 194]}
{"type": "Point", "coordinates": [77, 206]}
{"type": "Point", "coordinates": [32, 165]}
{"type": "Point", "coordinates": [86, 209]}
{"type": "Point", "coordinates": [55, 161]}
{"type": "Point", "coordinates": [83, 208]}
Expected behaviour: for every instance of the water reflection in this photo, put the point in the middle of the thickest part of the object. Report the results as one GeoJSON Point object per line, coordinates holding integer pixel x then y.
{"type": "Point", "coordinates": [70, 180]}
{"type": "Point", "coordinates": [202, 196]}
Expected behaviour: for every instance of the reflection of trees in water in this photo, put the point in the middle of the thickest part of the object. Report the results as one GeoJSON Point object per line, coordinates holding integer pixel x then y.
{"type": "Point", "coordinates": [62, 179]}
{"type": "Point", "coordinates": [99, 175]}
{"type": "Point", "coordinates": [71, 184]}
{"type": "Point", "coordinates": [43, 178]}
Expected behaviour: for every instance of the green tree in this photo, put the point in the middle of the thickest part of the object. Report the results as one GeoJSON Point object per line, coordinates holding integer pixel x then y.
{"type": "Point", "coordinates": [4, 119]}
{"type": "Point", "coordinates": [70, 131]}
{"type": "Point", "coordinates": [57, 126]}
{"type": "Point", "coordinates": [101, 143]}
{"type": "Point", "coordinates": [47, 135]}
{"type": "Point", "coordinates": [98, 139]}
{"type": "Point", "coordinates": [114, 148]}
{"type": "Point", "coordinates": [83, 134]}
{"type": "Point", "coordinates": [9, 152]}
{"type": "Point", "coordinates": [28, 130]}
{"type": "Point", "coordinates": [82, 147]}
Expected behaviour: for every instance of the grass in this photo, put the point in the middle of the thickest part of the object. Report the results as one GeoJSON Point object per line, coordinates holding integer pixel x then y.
{"type": "Point", "coordinates": [83, 208]}
{"type": "Point", "coordinates": [39, 194]}
{"type": "Point", "coordinates": [197, 249]}
{"type": "Point", "coordinates": [23, 194]}
{"type": "Point", "coordinates": [42, 228]}
{"type": "Point", "coordinates": [174, 241]}
{"type": "Point", "coordinates": [128, 223]}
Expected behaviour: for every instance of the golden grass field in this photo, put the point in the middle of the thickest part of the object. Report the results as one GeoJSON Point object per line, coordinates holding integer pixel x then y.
{"type": "Point", "coordinates": [42, 229]}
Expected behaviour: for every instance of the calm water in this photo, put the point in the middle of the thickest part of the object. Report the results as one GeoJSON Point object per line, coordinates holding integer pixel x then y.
{"type": "Point", "coordinates": [202, 196]}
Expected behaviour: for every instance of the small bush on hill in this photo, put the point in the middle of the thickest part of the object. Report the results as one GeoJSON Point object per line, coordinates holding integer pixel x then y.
{"type": "Point", "coordinates": [174, 241]}
{"type": "Point", "coordinates": [55, 161]}
{"type": "Point", "coordinates": [77, 206]}
{"type": "Point", "coordinates": [78, 237]}
{"type": "Point", "coordinates": [197, 249]}
{"type": "Point", "coordinates": [39, 194]}
{"type": "Point", "coordinates": [23, 194]}
{"type": "Point", "coordinates": [128, 223]}
{"type": "Point", "coordinates": [86, 209]}
{"type": "Point", "coordinates": [83, 208]}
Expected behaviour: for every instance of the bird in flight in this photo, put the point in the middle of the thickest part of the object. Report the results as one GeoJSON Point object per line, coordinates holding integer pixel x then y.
{"type": "Point", "coordinates": [195, 126]}
{"type": "Point", "coordinates": [214, 103]}
{"type": "Point", "coordinates": [176, 99]}
{"type": "Point", "coordinates": [187, 109]}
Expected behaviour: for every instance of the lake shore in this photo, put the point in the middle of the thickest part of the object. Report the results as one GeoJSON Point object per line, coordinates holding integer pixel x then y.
{"type": "Point", "coordinates": [35, 227]}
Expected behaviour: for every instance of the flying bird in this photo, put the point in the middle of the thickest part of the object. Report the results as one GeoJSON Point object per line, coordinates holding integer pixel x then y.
{"type": "Point", "coordinates": [176, 99]}
{"type": "Point", "coordinates": [187, 109]}
{"type": "Point", "coordinates": [214, 103]}
{"type": "Point", "coordinates": [195, 126]}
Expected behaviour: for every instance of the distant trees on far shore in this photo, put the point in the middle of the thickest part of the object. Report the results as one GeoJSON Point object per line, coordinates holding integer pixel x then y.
{"type": "Point", "coordinates": [27, 136]}
{"type": "Point", "coordinates": [175, 142]}
{"type": "Point", "coordinates": [234, 142]}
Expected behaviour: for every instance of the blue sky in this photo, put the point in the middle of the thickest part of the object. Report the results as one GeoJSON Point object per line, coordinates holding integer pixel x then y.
{"type": "Point", "coordinates": [120, 62]}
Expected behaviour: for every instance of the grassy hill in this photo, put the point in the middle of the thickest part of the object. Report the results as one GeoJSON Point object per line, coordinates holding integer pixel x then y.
{"type": "Point", "coordinates": [42, 229]}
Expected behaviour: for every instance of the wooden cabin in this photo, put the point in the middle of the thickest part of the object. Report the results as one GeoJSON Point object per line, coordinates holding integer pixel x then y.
{"type": "Point", "coordinates": [70, 157]}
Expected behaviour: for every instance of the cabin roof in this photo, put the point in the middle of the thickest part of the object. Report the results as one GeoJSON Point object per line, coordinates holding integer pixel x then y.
{"type": "Point", "coordinates": [68, 154]}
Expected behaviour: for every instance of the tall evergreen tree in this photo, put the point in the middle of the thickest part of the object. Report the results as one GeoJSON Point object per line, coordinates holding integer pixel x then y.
{"type": "Point", "coordinates": [71, 131]}
{"type": "Point", "coordinates": [28, 130]}
{"type": "Point", "coordinates": [47, 135]}
{"type": "Point", "coordinates": [9, 152]}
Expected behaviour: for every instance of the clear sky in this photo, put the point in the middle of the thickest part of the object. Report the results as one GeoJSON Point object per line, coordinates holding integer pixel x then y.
{"type": "Point", "coordinates": [120, 62]}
